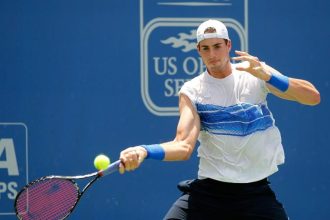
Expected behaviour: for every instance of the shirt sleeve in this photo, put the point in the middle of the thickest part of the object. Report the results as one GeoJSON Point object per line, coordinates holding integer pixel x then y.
{"type": "Point", "coordinates": [188, 90]}
{"type": "Point", "coordinates": [263, 86]}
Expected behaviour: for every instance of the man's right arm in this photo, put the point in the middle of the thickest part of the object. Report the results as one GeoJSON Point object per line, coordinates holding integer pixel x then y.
{"type": "Point", "coordinates": [187, 132]}
{"type": "Point", "coordinates": [180, 148]}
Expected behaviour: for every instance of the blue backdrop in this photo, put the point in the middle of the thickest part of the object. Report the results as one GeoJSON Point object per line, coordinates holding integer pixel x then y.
{"type": "Point", "coordinates": [78, 78]}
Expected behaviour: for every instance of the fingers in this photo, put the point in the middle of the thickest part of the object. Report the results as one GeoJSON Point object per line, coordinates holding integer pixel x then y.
{"type": "Point", "coordinates": [121, 168]}
{"type": "Point", "coordinates": [241, 52]}
{"type": "Point", "coordinates": [243, 66]}
{"type": "Point", "coordinates": [252, 65]}
{"type": "Point", "coordinates": [244, 56]}
{"type": "Point", "coordinates": [131, 158]}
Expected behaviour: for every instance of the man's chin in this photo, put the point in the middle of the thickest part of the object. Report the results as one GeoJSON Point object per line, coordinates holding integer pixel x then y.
{"type": "Point", "coordinates": [214, 67]}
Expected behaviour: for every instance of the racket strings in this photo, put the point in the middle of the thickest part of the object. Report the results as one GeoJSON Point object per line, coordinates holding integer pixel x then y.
{"type": "Point", "coordinates": [47, 199]}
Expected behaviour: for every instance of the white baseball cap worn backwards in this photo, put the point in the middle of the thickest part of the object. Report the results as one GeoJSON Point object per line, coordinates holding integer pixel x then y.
{"type": "Point", "coordinates": [220, 30]}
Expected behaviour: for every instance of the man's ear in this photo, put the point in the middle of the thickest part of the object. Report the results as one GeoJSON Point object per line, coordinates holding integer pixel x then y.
{"type": "Point", "coordinates": [198, 48]}
{"type": "Point", "coordinates": [229, 45]}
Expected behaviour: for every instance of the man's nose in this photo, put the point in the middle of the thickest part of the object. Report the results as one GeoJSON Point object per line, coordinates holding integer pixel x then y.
{"type": "Point", "coordinates": [212, 53]}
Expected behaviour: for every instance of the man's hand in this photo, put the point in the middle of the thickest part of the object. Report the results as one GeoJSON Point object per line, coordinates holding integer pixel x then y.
{"type": "Point", "coordinates": [131, 158]}
{"type": "Point", "coordinates": [252, 65]}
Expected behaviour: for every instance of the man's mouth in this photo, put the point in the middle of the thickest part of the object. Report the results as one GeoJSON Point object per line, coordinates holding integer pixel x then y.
{"type": "Point", "coordinates": [213, 61]}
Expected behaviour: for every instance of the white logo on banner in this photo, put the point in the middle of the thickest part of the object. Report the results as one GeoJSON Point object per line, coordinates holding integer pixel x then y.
{"type": "Point", "coordinates": [185, 41]}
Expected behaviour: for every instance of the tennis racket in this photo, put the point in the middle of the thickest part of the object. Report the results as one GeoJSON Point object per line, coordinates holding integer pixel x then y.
{"type": "Point", "coordinates": [54, 197]}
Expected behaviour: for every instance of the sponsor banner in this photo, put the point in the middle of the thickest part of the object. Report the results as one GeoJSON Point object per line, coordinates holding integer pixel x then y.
{"type": "Point", "coordinates": [168, 45]}
{"type": "Point", "coordinates": [13, 164]}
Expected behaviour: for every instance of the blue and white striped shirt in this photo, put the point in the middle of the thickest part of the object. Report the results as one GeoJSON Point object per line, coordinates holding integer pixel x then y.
{"type": "Point", "coordinates": [239, 141]}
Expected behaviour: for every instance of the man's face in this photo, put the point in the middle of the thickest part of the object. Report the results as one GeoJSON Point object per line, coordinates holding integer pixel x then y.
{"type": "Point", "coordinates": [214, 53]}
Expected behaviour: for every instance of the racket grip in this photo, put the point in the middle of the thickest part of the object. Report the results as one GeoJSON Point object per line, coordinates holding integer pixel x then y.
{"type": "Point", "coordinates": [111, 169]}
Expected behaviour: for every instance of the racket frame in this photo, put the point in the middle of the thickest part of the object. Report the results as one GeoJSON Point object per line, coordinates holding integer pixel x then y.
{"type": "Point", "coordinates": [97, 175]}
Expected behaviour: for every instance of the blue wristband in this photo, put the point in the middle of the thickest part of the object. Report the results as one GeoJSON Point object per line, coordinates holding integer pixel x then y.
{"type": "Point", "coordinates": [279, 81]}
{"type": "Point", "coordinates": [155, 151]}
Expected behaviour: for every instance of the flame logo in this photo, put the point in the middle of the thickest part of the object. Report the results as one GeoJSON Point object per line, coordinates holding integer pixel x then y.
{"type": "Point", "coordinates": [186, 41]}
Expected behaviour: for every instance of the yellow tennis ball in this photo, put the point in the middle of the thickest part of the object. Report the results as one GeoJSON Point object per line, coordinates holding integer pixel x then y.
{"type": "Point", "coordinates": [101, 162]}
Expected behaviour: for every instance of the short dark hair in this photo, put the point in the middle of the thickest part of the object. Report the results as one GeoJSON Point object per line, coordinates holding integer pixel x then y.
{"type": "Point", "coordinates": [226, 42]}
{"type": "Point", "coordinates": [210, 30]}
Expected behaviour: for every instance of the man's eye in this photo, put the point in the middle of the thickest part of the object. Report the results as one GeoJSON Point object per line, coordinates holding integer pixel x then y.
{"type": "Point", "coordinates": [205, 48]}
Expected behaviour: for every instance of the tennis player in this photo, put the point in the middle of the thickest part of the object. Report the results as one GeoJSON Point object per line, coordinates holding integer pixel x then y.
{"type": "Point", "coordinates": [225, 108]}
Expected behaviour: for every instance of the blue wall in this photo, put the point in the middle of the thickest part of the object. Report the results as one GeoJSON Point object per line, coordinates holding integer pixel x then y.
{"type": "Point", "coordinates": [70, 88]}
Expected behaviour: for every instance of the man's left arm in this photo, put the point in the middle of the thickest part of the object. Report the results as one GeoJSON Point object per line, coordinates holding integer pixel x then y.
{"type": "Point", "coordinates": [298, 90]}
{"type": "Point", "coordinates": [293, 89]}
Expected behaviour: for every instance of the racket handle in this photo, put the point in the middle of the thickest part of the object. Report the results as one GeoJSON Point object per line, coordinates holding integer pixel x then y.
{"type": "Point", "coordinates": [111, 169]}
